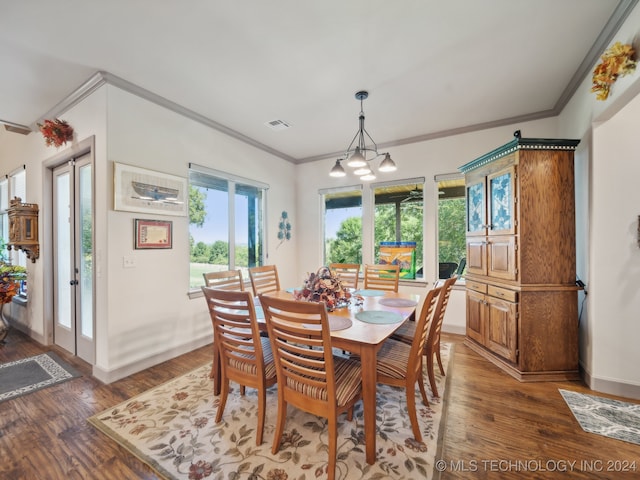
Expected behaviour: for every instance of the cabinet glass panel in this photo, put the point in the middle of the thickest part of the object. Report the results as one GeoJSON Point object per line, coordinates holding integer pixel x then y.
{"type": "Point", "coordinates": [475, 207]}
{"type": "Point", "coordinates": [500, 188]}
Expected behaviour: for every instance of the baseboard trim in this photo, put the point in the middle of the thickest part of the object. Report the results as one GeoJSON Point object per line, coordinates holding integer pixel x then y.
{"type": "Point", "coordinates": [453, 329]}
{"type": "Point", "coordinates": [611, 387]}
{"type": "Point", "coordinates": [109, 376]}
{"type": "Point", "coordinates": [38, 337]}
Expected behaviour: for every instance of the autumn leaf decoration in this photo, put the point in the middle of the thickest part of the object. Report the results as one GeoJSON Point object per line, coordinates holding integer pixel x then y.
{"type": "Point", "coordinates": [56, 132]}
{"type": "Point", "coordinates": [617, 61]}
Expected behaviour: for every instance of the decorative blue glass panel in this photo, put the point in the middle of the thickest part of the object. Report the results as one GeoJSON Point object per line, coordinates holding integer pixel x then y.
{"type": "Point", "coordinates": [475, 207]}
{"type": "Point", "coordinates": [500, 188]}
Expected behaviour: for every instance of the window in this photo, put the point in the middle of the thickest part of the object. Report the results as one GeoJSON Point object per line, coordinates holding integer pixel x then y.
{"type": "Point", "coordinates": [451, 220]}
{"type": "Point", "coordinates": [226, 223]}
{"type": "Point", "coordinates": [343, 225]}
{"type": "Point", "coordinates": [399, 219]}
{"type": "Point", "coordinates": [13, 185]}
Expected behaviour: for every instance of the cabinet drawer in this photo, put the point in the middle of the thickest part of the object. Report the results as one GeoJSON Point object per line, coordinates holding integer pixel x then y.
{"type": "Point", "coordinates": [508, 295]}
{"type": "Point", "coordinates": [476, 286]}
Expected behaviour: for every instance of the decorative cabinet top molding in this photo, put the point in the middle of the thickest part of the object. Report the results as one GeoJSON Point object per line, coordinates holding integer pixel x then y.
{"type": "Point", "coordinates": [519, 143]}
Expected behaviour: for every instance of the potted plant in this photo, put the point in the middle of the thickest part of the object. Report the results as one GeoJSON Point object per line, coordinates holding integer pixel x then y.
{"type": "Point", "coordinates": [10, 278]}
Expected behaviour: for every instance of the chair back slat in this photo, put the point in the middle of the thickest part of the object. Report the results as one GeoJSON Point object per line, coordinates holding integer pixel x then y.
{"type": "Point", "coordinates": [348, 273]}
{"type": "Point", "coordinates": [382, 277]}
{"type": "Point", "coordinates": [264, 279]}
{"type": "Point", "coordinates": [224, 280]}
{"type": "Point", "coordinates": [303, 355]}
{"type": "Point", "coordinates": [433, 339]}
{"type": "Point", "coordinates": [425, 319]}
{"type": "Point", "coordinates": [235, 330]}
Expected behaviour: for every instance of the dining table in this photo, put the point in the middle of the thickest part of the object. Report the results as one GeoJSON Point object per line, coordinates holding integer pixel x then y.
{"type": "Point", "coordinates": [360, 328]}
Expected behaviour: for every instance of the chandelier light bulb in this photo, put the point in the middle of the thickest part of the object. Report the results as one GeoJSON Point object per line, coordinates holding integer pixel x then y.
{"type": "Point", "coordinates": [362, 170]}
{"type": "Point", "coordinates": [357, 159]}
{"type": "Point", "coordinates": [387, 165]}
{"type": "Point", "coordinates": [337, 170]}
{"type": "Point", "coordinates": [368, 177]}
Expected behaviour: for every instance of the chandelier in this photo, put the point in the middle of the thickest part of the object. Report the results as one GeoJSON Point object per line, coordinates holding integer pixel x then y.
{"type": "Point", "coordinates": [356, 157]}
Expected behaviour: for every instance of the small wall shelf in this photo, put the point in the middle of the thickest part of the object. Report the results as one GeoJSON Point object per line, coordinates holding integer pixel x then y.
{"type": "Point", "coordinates": [23, 228]}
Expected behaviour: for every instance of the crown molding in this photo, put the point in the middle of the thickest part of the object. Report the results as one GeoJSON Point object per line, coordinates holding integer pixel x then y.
{"type": "Point", "coordinates": [101, 78]}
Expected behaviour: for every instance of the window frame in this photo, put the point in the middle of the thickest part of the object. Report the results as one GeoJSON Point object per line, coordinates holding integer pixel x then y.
{"type": "Point", "coordinates": [231, 182]}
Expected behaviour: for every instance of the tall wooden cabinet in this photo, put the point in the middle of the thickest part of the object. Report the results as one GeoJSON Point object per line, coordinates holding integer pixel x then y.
{"type": "Point", "coordinates": [522, 298]}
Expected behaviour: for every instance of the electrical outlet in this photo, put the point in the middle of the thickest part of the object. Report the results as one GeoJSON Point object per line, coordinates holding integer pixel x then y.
{"type": "Point", "coordinates": [128, 262]}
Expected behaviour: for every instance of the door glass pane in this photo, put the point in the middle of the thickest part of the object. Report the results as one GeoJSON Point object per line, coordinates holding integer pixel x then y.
{"type": "Point", "coordinates": [343, 227]}
{"type": "Point", "coordinates": [500, 188]}
{"type": "Point", "coordinates": [86, 252]}
{"type": "Point", "coordinates": [63, 251]}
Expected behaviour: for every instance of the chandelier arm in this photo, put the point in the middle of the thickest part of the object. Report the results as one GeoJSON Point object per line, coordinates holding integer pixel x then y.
{"type": "Point", "coordinates": [351, 144]}
{"type": "Point", "coordinates": [375, 146]}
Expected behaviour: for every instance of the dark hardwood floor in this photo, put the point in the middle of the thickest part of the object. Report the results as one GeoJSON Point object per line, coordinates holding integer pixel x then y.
{"type": "Point", "coordinates": [494, 426]}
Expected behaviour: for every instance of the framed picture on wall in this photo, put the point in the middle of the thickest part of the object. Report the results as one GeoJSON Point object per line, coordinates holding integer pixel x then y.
{"type": "Point", "coordinates": [137, 189]}
{"type": "Point", "coordinates": [151, 234]}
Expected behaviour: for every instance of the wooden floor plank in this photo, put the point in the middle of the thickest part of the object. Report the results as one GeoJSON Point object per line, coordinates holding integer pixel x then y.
{"type": "Point", "coordinates": [494, 426]}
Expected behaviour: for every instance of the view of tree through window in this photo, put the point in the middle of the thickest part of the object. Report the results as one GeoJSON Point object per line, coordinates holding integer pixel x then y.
{"type": "Point", "coordinates": [451, 220]}
{"type": "Point", "coordinates": [218, 240]}
{"type": "Point", "coordinates": [343, 227]}
{"type": "Point", "coordinates": [399, 213]}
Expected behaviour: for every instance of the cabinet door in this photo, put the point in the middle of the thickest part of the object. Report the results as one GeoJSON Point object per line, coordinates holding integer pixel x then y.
{"type": "Point", "coordinates": [476, 208]}
{"type": "Point", "coordinates": [501, 198]}
{"type": "Point", "coordinates": [501, 257]}
{"type": "Point", "coordinates": [477, 255]}
{"type": "Point", "coordinates": [502, 329]}
{"type": "Point", "coordinates": [476, 307]}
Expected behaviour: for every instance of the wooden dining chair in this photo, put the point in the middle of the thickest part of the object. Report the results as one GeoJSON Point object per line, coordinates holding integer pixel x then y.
{"type": "Point", "coordinates": [348, 273]}
{"type": "Point", "coordinates": [264, 279]}
{"type": "Point", "coordinates": [224, 280]}
{"type": "Point", "coordinates": [407, 332]}
{"type": "Point", "coordinates": [400, 365]}
{"type": "Point", "coordinates": [381, 277]}
{"type": "Point", "coordinates": [310, 377]}
{"type": "Point", "coordinates": [245, 357]}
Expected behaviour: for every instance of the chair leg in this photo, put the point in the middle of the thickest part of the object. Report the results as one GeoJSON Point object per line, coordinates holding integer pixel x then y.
{"type": "Point", "coordinates": [333, 448]}
{"type": "Point", "coordinates": [432, 377]}
{"type": "Point", "coordinates": [262, 401]}
{"type": "Point", "coordinates": [439, 359]}
{"type": "Point", "coordinates": [282, 415]}
{"type": "Point", "coordinates": [242, 390]}
{"type": "Point", "coordinates": [413, 416]}
{"type": "Point", "coordinates": [224, 392]}
{"type": "Point", "coordinates": [423, 391]}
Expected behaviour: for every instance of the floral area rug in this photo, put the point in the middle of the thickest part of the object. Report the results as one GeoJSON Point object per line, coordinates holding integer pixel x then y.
{"type": "Point", "coordinates": [605, 416]}
{"type": "Point", "coordinates": [172, 429]}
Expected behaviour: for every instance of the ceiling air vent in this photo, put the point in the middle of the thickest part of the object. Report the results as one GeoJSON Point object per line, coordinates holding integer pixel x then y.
{"type": "Point", "coordinates": [277, 125]}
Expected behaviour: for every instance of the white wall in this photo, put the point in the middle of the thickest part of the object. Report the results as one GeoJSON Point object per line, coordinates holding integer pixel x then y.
{"type": "Point", "coordinates": [615, 250]}
{"type": "Point", "coordinates": [149, 315]}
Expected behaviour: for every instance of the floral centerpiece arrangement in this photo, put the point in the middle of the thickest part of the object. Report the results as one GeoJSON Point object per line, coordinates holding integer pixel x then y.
{"type": "Point", "coordinates": [617, 61]}
{"type": "Point", "coordinates": [324, 286]}
{"type": "Point", "coordinates": [56, 132]}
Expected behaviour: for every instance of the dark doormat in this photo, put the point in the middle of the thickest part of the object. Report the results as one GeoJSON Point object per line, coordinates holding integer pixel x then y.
{"type": "Point", "coordinates": [30, 374]}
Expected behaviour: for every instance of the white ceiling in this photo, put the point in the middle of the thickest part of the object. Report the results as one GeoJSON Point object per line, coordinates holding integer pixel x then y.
{"type": "Point", "coordinates": [431, 67]}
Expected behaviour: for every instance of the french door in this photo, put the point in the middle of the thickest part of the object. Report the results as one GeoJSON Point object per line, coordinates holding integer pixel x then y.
{"type": "Point", "coordinates": [73, 257]}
